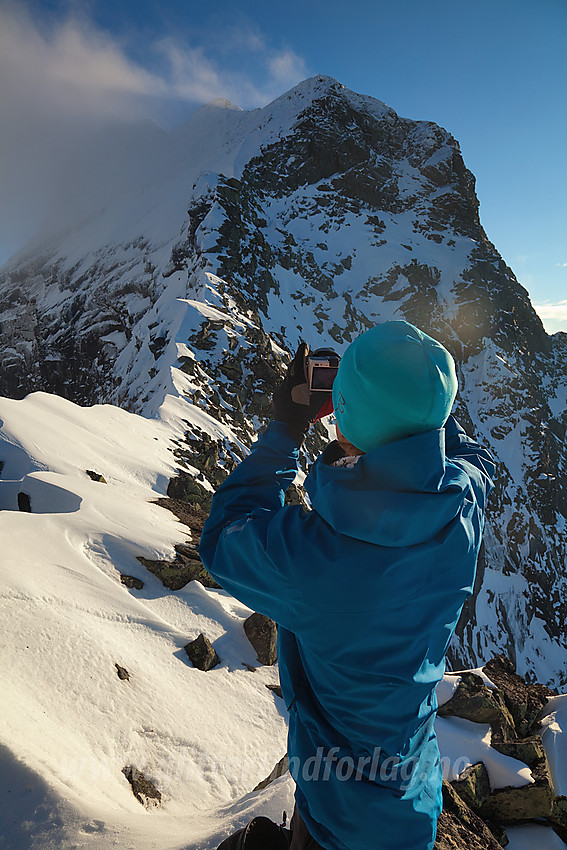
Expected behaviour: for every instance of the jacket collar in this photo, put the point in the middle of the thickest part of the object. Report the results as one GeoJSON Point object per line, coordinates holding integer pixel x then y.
{"type": "Point", "coordinates": [398, 494]}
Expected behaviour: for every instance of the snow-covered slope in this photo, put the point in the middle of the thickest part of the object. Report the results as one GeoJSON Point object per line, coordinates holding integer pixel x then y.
{"type": "Point", "coordinates": [70, 724]}
{"type": "Point", "coordinates": [183, 270]}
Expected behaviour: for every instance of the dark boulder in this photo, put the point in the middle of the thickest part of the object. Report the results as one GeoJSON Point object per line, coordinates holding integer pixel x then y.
{"type": "Point", "coordinates": [201, 653]}
{"type": "Point", "coordinates": [131, 581]}
{"type": "Point", "coordinates": [143, 789]}
{"type": "Point", "coordinates": [262, 634]}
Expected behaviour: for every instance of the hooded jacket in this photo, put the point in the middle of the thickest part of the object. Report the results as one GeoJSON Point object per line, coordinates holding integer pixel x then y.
{"type": "Point", "coordinates": [366, 589]}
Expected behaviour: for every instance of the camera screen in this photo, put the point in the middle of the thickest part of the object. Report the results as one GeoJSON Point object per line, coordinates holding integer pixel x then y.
{"type": "Point", "coordinates": [323, 377]}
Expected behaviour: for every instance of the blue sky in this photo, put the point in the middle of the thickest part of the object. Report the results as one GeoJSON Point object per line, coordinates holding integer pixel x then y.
{"type": "Point", "coordinates": [492, 72]}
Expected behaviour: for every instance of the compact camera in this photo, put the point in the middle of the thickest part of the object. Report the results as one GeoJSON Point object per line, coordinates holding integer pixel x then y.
{"type": "Point", "coordinates": [321, 368]}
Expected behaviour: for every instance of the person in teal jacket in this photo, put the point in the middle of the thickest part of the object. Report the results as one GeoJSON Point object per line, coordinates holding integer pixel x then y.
{"type": "Point", "coordinates": [366, 588]}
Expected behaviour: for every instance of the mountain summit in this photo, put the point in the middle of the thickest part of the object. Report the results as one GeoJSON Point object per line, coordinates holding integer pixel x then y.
{"type": "Point", "coordinates": [314, 218]}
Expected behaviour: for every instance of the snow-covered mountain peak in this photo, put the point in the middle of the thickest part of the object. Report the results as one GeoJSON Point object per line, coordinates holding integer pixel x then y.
{"type": "Point", "coordinates": [314, 217]}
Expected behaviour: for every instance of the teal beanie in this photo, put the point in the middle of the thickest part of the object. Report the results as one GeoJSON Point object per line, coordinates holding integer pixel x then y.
{"type": "Point", "coordinates": [393, 381]}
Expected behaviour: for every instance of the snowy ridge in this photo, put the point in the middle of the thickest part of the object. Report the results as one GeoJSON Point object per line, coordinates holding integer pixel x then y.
{"type": "Point", "coordinates": [313, 218]}
{"type": "Point", "coordinates": [70, 724]}
{"type": "Point", "coordinates": [173, 291]}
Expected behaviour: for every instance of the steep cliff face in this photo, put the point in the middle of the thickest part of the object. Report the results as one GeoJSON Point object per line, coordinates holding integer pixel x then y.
{"type": "Point", "coordinates": [313, 218]}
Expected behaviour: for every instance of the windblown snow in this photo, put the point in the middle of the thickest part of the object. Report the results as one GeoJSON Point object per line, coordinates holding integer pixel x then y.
{"type": "Point", "coordinates": [69, 723]}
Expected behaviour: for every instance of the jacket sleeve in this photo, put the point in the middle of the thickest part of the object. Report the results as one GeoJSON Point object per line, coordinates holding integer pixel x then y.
{"type": "Point", "coordinates": [470, 456]}
{"type": "Point", "coordinates": [245, 539]}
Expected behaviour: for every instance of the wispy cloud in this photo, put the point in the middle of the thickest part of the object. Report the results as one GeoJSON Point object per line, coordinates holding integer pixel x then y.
{"type": "Point", "coordinates": [561, 265]}
{"type": "Point", "coordinates": [62, 81]}
{"type": "Point", "coordinates": [553, 315]}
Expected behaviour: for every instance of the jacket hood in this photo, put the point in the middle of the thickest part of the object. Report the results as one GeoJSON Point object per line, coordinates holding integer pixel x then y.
{"type": "Point", "coordinates": [399, 494]}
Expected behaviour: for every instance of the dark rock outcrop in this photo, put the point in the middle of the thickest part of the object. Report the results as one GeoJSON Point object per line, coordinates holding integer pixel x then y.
{"type": "Point", "coordinates": [201, 653]}
{"type": "Point", "coordinates": [459, 828]}
{"type": "Point", "coordinates": [473, 700]}
{"type": "Point", "coordinates": [262, 634]}
{"type": "Point", "coordinates": [187, 566]}
{"type": "Point", "coordinates": [131, 581]}
{"type": "Point", "coordinates": [143, 788]}
{"type": "Point", "coordinates": [122, 673]}
{"type": "Point", "coordinates": [24, 503]}
{"type": "Point", "coordinates": [524, 701]}
{"type": "Point", "coordinates": [96, 476]}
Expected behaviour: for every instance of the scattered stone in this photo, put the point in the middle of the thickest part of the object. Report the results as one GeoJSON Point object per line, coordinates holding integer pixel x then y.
{"type": "Point", "coordinates": [96, 476]}
{"type": "Point", "coordinates": [459, 828]}
{"type": "Point", "coordinates": [281, 767]}
{"type": "Point", "coordinates": [249, 667]}
{"type": "Point", "coordinates": [524, 701]}
{"type": "Point", "coordinates": [24, 503]}
{"type": "Point", "coordinates": [276, 689]}
{"type": "Point", "coordinates": [144, 789]}
{"type": "Point", "coordinates": [131, 581]}
{"type": "Point", "coordinates": [262, 634]}
{"type": "Point", "coordinates": [201, 653]}
{"type": "Point", "coordinates": [473, 786]}
{"type": "Point", "coordinates": [122, 672]}
{"type": "Point", "coordinates": [475, 701]}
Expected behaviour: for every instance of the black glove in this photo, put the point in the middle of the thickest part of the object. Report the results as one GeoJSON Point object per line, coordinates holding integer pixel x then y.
{"type": "Point", "coordinates": [292, 401]}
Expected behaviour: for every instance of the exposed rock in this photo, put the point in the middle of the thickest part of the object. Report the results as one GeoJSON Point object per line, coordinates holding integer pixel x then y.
{"type": "Point", "coordinates": [524, 701]}
{"type": "Point", "coordinates": [528, 750]}
{"type": "Point", "coordinates": [528, 802]}
{"type": "Point", "coordinates": [122, 673]}
{"type": "Point", "coordinates": [473, 786]}
{"type": "Point", "coordinates": [262, 634]}
{"type": "Point", "coordinates": [143, 789]}
{"type": "Point", "coordinates": [24, 503]}
{"type": "Point", "coordinates": [475, 701]}
{"type": "Point", "coordinates": [131, 581]}
{"type": "Point", "coordinates": [201, 653]}
{"type": "Point", "coordinates": [186, 567]}
{"type": "Point", "coordinates": [295, 495]}
{"type": "Point", "coordinates": [276, 689]}
{"type": "Point", "coordinates": [193, 516]}
{"type": "Point", "coordinates": [186, 488]}
{"type": "Point", "coordinates": [338, 156]}
{"type": "Point", "coordinates": [281, 767]}
{"type": "Point", "coordinates": [459, 828]}
{"type": "Point", "coordinates": [558, 817]}
{"type": "Point", "coordinates": [96, 476]}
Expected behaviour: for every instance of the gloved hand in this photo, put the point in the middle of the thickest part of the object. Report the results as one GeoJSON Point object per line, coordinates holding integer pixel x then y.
{"type": "Point", "coordinates": [294, 404]}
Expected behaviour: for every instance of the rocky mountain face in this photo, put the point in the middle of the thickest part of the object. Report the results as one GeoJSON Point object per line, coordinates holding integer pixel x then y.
{"type": "Point", "coordinates": [313, 218]}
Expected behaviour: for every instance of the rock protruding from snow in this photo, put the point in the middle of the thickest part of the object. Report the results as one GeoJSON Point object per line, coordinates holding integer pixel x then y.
{"type": "Point", "coordinates": [473, 700]}
{"type": "Point", "coordinates": [131, 581]}
{"type": "Point", "coordinates": [143, 788]}
{"type": "Point", "coordinates": [202, 653]}
{"type": "Point", "coordinates": [262, 633]}
{"type": "Point", "coordinates": [459, 828]}
{"type": "Point", "coordinates": [524, 701]}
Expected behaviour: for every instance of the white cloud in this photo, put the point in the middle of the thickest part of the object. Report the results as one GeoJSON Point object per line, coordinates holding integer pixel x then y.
{"type": "Point", "coordinates": [561, 265]}
{"type": "Point", "coordinates": [62, 82]}
{"type": "Point", "coordinates": [553, 315]}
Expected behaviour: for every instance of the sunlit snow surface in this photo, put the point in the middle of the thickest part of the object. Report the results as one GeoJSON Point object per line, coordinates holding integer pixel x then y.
{"type": "Point", "coordinates": [69, 724]}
